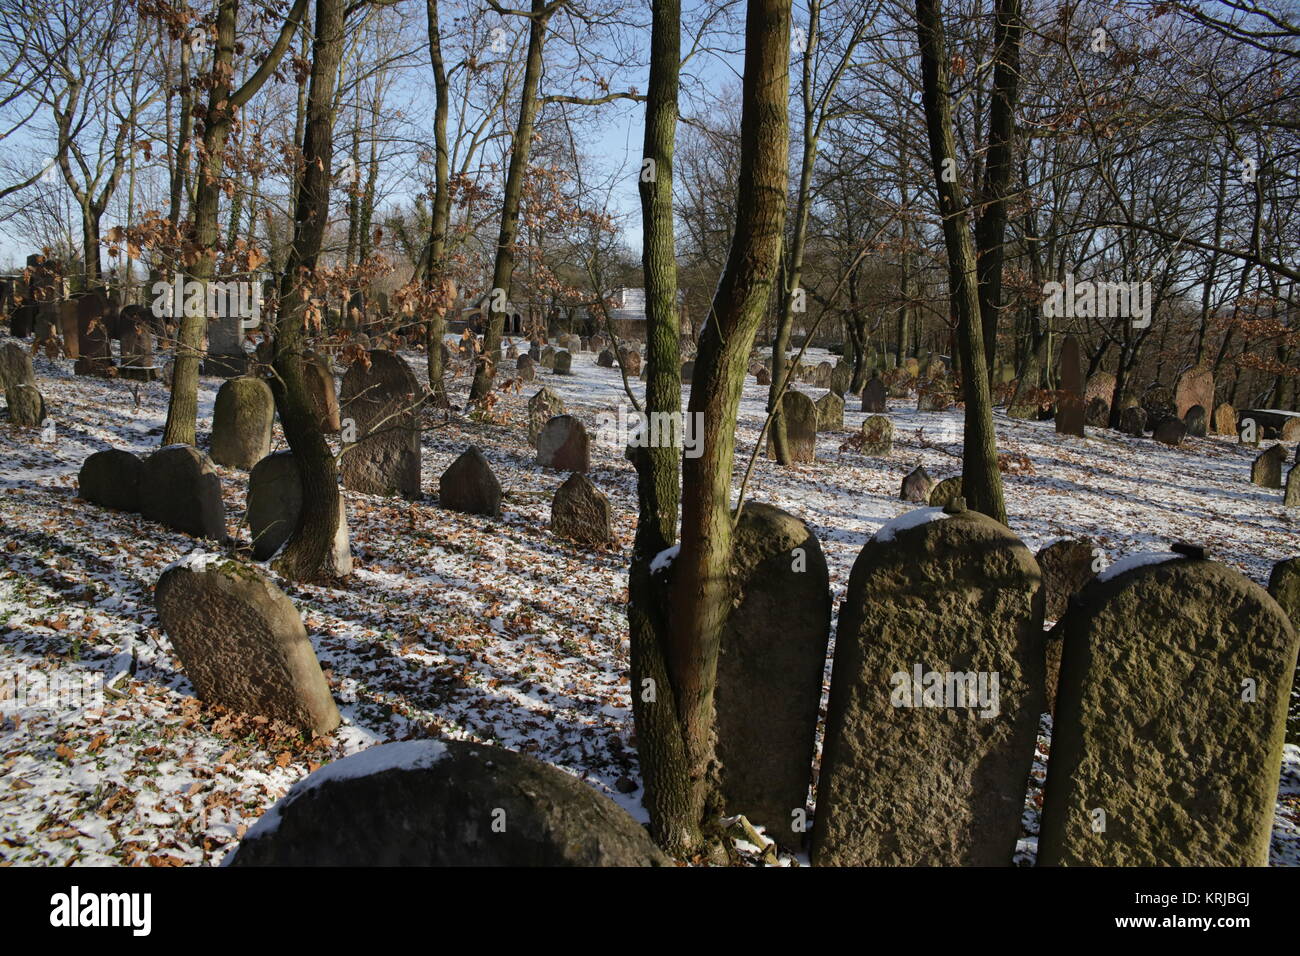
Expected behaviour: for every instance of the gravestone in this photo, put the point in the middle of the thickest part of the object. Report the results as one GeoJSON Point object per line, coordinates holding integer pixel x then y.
{"type": "Point", "coordinates": [1225, 420]}
{"type": "Point", "coordinates": [762, 376]}
{"type": "Point", "coordinates": [917, 486]}
{"type": "Point", "coordinates": [1158, 402]}
{"type": "Point", "coordinates": [26, 406]}
{"type": "Point", "coordinates": [923, 766]}
{"type": "Point", "coordinates": [1284, 587]}
{"type": "Point", "coordinates": [226, 357]}
{"type": "Point", "coordinates": [179, 488]}
{"type": "Point", "coordinates": [137, 350]}
{"type": "Point", "coordinates": [878, 436]}
{"type": "Point", "coordinates": [1069, 404]}
{"type": "Point", "coordinates": [1067, 567]}
{"type": "Point", "coordinates": [771, 663]}
{"type": "Point", "coordinates": [380, 396]}
{"type": "Point", "coordinates": [94, 348]}
{"type": "Point", "coordinates": [1171, 431]}
{"type": "Point", "coordinates": [1290, 430]}
{"type": "Point", "coordinates": [15, 366]}
{"type": "Point", "coordinates": [822, 374]}
{"type": "Point", "coordinates": [873, 396]}
{"type": "Point", "coordinates": [547, 358]}
{"type": "Point", "coordinates": [945, 492]}
{"type": "Point", "coordinates": [1097, 414]}
{"type": "Point", "coordinates": [242, 419]}
{"type": "Point", "coordinates": [542, 407]}
{"type": "Point", "coordinates": [525, 361]}
{"type": "Point", "coordinates": [841, 378]}
{"type": "Point", "coordinates": [69, 329]}
{"type": "Point", "coordinates": [1170, 716]}
{"type": "Point", "coordinates": [1133, 421]}
{"type": "Point", "coordinates": [933, 400]}
{"type": "Point", "coordinates": [1195, 421]}
{"type": "Point", "coordinates": [1194, 387]}
{"type": "Point", "coordinates": [469, 485]}
{"type": "Point", "coordinates": [800, 417]}
{"type": "Point", "coordinates": [581, 512]}
{"type": "Point", "coordinates": [1291, 498]}
{"type": "Point", "coordinates": [563, 445]}
{"type": "Point", "coordinates": [1100, 385]}
{"type": "Point", "coordinates": [830, 413]}
{"type": "Point", "coordinates": [632, 362]}
{"type": "Point", "coordinates": [242, 643]}
{"type": "Point", "coordinates": [22, 321]}
{"type": "Point", "coordinates": [1267, 469]}
{"type": "Point", "coordinates": [445, 803]}
{"type": "Point", "coordinates": [274, 503]}
{"type": "Point", "coordinates": [111, 479]}
{"type": "Point", "coordinates": [563, 364]}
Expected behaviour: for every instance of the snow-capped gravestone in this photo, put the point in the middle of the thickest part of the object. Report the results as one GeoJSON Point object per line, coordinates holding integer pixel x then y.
{"type": "Point", "coordinates": [1194, 387]}
{"type": "Point", "coordinates": [771, 662]}
{"type": "Point", "coordinates": [444, 803]}
{"type": "Point", "coordinates": [563, 364]}
{"type": "Point", "coordinates": [111, 478]}
{"type": "Point", "coordinates": [581, 512]}
{"type": "Point", "coordinates": [830, 413]}
{"type": "Point", "coordinates": [1171, 431]}
{"type": "Point", "coordinates": [379, 402]}
{"type": "Point", "coordinates": [1225, 420]}
{"type": "Point", "coordinates": [800, 417]}
{"type": "Point", "coordinates": [1170, 717]}
{"type": "Point", "coordinates": [917, 486]}
{"type": "Point", "coordinates": [935, 697]}
{"type": "Point", "coordinates": [26, 406]}
{"type": "Point", "coordinates": [873, 396]}
{"type": "Point", "coordinates": [1195, 421]}
{"type": "Point", "coordinates": [242, 643]}
{"type": "Point", "coordinates": [179, 488]}
{"type": "Point", "coordinates": [1067, 565]}
{"type": "Point", "coordinates": [15, 367]}
{"type": "Point", "coordinates": [469, 486]}
{"type": "Point", "coordinates": [274, 503]}
{"type": "Point", "coordinates": [1070, 405]}
{"type": "Point", "coordinates": [1133, 421]}
{"type": "Point", "coordinates": [945, 492]}
{"type": "Point", "coordinates": [1267, 468]}
{"type": "Point", "coordinates": [242, 419]}
{"type": "Point", "coordinates": [542, 407]}
{"type": "Point", "coordinates": [563, 445]}
{"type": "Point", "coordinates": [319, 379]}
{"type": "Point", "coordinates": [877, 436]}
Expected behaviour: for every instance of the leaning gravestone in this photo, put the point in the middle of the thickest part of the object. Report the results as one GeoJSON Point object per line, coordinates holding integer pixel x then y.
{"type": "Point", "coordinates": [830, 413]}
{"type": "Point", "coordinates": [563, 363]}
{"type": "Point", "coordinates": [380, 397]}
{"type": "Point", "coordinates": [917, 486]}
{"type": "Point", "coordinates": [771, 663]}
{"type": "Point", "coordinates": [111, 478]}
{"type": "Point", "coordinates": [800, 417]}
{"type": "Point", "coordinates": [1194, 387]}
{"type": "Point", "coordinates": [581, 512]}
{"type": "Point", "coordinates": [873, 396]}
{"type": "Point", "coordinates": [1267, 469]}
{"type": "Point", "coordinates": [1067, 567]}
{"type": "Point", "coordinates": [542, 407]}
{"type": "Point", "coordinates": [15, 366]}
{"type": "Point", "coordinates": [469, 486]}
{"type": "Point", "coordinates": [180, 488]}
{"type": "Point", "coordinates": [242, 419]}
{"type": "Point", "coordinates": [26, 406]}
{"type": "Point", "coordinates": [242, 642]}
{"type": "Point", "coordinates": [877, 436]}
{"type": "Point", "coordinates": [1170, 718]}
{"type": "Point", "coordinates": [563, 445]}
{"type": "Point", "coordinates": [274, 503]}
{"type": "Point", "coordinates": [445, 803]}
{"type": "Point", "coordinates": [1069, 406]}
{"type": "Point", "coordinates": [945, 492]}
{"type": "Point", "coordinates": [925, 766]}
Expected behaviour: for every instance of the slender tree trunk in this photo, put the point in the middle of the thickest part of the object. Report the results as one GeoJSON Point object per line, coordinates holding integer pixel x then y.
{"type": "Point", "coordinates": [436, 280]}
{"type": "Point", "coordinates": [184, 131]}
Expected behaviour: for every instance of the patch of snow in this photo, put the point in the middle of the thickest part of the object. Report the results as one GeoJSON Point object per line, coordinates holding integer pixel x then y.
{"type": "Point", "coordinates": [197, 560]}
{"type": "Point", "coordinates": [664, 558]}
{"type": "Point", "coordinates": [1139, 560]}
{"type": "Point", "coordinates": [910, 519]}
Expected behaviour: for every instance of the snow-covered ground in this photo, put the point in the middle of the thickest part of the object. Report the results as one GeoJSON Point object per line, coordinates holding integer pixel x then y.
{"type": "Point", "coordinates": [463, 626]}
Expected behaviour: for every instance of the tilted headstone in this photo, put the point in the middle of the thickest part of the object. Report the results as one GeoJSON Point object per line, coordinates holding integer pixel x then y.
{"type": "Point", "coordinates": [380, 398]}
{"type": "Point", "coordinates": [1170, 716]}
{"type": "Point", "coordinates": [917, 486]}
{"type": "Point", "coordinates": [935, 698]}
{"type": "Point", "coordinates": [180, 488]}
{"type": "Point", "coordinates": [469, 485]}
{"type": "Point", "coordinates": [874, 395]}
{"type": "Point", "coordinates": [771, 664]}
{"type": "Point", "coordinates": [111, 478]}
{"type": "Point", "coordinates": [563, 445]}
{"type": "Point", "coordinates": [242, 642]}
{"type": "Point", "coordinates": [445, 803]}
{"type": "Point", "coordinates": [1067, 567]}
{"type": "Point", "coordinates": [1069, 404]}
{"type": "Point", "coordinates": [242, 419]}
{"type": "Point", "coordinates": [581, 512]}
{"type": "Point", "coordinates": [542, 407]}
{"type": "Point", "coordinates": [878, 436]}
{"type": "Point", "coordinates": [1267, 469]}
{"type": "Point", "coordinates": [830, 413]}
{"type": "Point", "coordinates": [799, 414]}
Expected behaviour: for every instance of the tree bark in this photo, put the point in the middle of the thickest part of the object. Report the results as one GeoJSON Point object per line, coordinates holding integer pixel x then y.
{"type": "Point", "coordinates": [435, 276]}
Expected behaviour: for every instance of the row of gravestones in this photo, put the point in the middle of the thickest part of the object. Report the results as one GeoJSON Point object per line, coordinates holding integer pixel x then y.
{"type": "Point", "coordinates": [85, 327]}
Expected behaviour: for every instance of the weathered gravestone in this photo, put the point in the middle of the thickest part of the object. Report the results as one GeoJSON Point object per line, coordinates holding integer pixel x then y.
{"type": "Point", "coordinates": [934, 398]}
{"type": "Point", "coordinates": [1284, 586]}
{"type": "Point", "coordinates": [799, 414]}
{"type": "Point", "coordinates": [1194, 387]}
{"type": "Point", "coordinates": [563, 445]}
{"type": "Point", "coordinates": [935, 697]}
{"type": "Point", "coordinates": [1158, 403]}
{"type": "Point", "coordinates": [137, 349]}
{"type": "Point", "coordinates": [242, 642]}
{"type": "Point", "coordinates": [542, 407]}
{"type": "Point", "coordinates": [917, 486]}
{"type": "Point", "coordinates": [1170, 717]}
{"type": "Point", "coordinates": [632, 362]}
{"type": "Point", "coordinates": [1291, 497]}
{"type": "Point", "coordinates": [873, 396]}
{"type": "Point", "coordinates": [1133, 421]}
{"type": "Point", "coordinates": [841, 378]}
{"type": "Point", "coordinates": [380, 397]}
{"type": "Point", "coordinates": [445, 803]}
{"type": "Point", "coordinates": [111, 478]}
{"type": "Point", "coordinates": [242, 419]}
{"type": "Point", "coordinates": [1069, 404]}
{"type": "Point", "coordinates": [547, 358]}
{"type": "Point", "coordinates": [1099, 387]}
{"type": "Point", "coordinates": [179, 488]}
{"type": "Point", "coordinates": [762, 376]}
{"type": "Point", "coordinates": [1225, 420]}
{"type": "Point", "coordinates": [1097, 414]}
{"type": "Point", "coordinates": [877, 436]}
{"type": "Point", "coordinates": [1171, 431]}
{"type": "Point", "coordinates": [274, 503]}
{"type": "Point", "coordinates": [1267, 468]}
{"type": "Point", "coordinates": [26, 406]}
{"type": "Point", "coordinates": [226, 357]}
{"type": "Point", "coordinates": [945, 492]}
{"type": "Point", "coordinates": [1066, 567]}
{"type": "Point", "coordinates": [771, 662]}
{"type": "Point", "coordinates": [15, 366]}
{"type": "Point", "coordinates": [581, 512]}
{"type": "Point", "coordinates": [94, 348]}
{"type": "Point", "coordinates": [830, 413]}
{"type": "Point", "coordinates": [563, 363]}
{"type": "Point", "coordinates": [1195, 421]}
{"type": "Point", "coordinates": [469, 485]}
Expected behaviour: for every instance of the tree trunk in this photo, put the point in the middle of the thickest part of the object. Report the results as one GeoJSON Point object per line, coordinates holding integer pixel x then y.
{"type": "Point", "coordinates": [435, 277]}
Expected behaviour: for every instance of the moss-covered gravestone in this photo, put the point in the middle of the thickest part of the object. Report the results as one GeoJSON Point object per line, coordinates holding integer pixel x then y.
{"type": "Point", "coordinates": [935, 697]}
{"type": "Point", "coordinates": [830, 413]}
{"type": "Point", "coordinates": [1170, 715]}
{"type": "Point", "coordinates": [771, 664]}
{"type": "Point", "coordinates": [242, 419]}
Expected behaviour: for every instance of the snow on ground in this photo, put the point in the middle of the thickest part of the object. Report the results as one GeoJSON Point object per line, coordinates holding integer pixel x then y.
{"type": "Point", "coordinates": [461, 626]}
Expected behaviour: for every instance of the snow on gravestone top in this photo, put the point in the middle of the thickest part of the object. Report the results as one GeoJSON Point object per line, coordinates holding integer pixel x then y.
{"type": "Point", "coordinates": [909, 519]}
